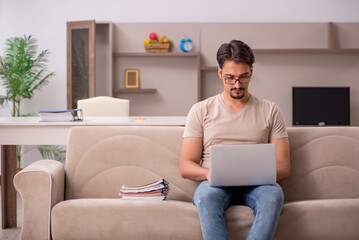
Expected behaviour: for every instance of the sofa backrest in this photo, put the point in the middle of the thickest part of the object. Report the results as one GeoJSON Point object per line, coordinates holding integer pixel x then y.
{"type": "Point", "coordinates": [325, 163]}
{"type": "Point", "coordinates": [100, 159]}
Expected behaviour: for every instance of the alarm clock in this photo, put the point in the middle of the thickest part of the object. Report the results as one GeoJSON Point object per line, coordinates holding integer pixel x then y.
{"type": "Point", "coordinates": [186, 45]}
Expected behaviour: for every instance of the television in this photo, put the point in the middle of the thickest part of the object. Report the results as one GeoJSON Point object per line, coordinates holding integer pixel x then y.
{"type": "Point", "coordinates": [321, 106]}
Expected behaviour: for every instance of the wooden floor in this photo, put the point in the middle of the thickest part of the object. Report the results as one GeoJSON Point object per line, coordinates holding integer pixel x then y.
{"type": "Point", "coordinates": [12, 233]}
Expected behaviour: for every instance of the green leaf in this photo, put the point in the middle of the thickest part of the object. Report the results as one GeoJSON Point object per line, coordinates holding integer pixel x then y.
{"type": "Point", "coordinates": [22, 70]}
{"type": "Point", "coordinates": [52, 152]}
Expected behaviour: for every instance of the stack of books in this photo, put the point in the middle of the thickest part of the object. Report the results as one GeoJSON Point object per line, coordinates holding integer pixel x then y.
{"type": "Point", "coordinates": [61, 116]}
{"type": "Point", "coordinates": [154, 191]}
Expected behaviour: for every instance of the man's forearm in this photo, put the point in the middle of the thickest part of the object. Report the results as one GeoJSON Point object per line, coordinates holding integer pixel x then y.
{"type": "Point", "coordinates": [194, 171]}
{"type": "Point", "coordinates": [283, 158]}
{"type": "Point", "coordinates": [283, 170]}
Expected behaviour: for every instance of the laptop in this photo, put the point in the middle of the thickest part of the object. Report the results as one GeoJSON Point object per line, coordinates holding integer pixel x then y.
{"type": "Point", "coordinates": [243, 165]}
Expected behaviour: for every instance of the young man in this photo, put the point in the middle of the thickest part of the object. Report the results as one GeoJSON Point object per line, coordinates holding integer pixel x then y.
{"type": "Point", "coordinates": [234, 117]}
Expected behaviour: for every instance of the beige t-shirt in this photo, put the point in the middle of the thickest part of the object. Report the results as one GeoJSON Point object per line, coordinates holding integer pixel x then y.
{"type": "Point", "coordinates": [258, 122]}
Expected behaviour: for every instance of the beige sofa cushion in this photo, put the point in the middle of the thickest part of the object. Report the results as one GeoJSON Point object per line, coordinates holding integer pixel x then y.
{"type": "Point", "coordinates": [330, 219]}
{"type": "Point", "coordinates": [101, 159]}
{"type": "Point", "coordinates": [124, 219]}
{"type": "Point", "coordinates": [325, 163]}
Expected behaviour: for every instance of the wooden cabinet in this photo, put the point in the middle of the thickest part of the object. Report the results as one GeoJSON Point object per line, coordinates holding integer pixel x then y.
{"type": "Point", "coordinates": [89, 60]}
{"type": "Point", "coordinates": [80, 61]}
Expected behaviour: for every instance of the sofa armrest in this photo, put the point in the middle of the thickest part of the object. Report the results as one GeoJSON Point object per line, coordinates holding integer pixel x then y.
{"type": "Point", "coordinates": [41, 186]}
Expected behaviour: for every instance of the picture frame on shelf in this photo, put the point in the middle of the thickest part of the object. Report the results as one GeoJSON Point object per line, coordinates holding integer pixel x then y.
{"type": "Point", "coordinates": [132, 78]}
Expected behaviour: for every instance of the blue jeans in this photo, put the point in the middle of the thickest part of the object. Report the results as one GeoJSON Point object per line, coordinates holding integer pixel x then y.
{"type": "Point", "coordinates": [266, 201]}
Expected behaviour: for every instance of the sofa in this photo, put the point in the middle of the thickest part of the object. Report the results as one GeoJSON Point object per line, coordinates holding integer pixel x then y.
{"type": "Point", "coordinates": [80, 200]}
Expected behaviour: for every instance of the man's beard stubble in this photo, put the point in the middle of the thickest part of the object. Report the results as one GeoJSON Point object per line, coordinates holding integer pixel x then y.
{"type": "Point", "coordinates": [237, 96]}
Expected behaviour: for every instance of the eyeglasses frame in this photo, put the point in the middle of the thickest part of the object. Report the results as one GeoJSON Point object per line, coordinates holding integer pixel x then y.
{"type": "Point", "coordinates": [240, 80]}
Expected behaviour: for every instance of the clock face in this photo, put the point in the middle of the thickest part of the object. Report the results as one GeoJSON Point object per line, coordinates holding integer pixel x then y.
{"type": "Point", "coordinates": [187, 46]}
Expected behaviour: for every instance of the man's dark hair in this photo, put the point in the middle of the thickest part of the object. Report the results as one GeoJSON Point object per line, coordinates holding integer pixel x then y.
{"type": "Point", "coordinates": [236, 51]}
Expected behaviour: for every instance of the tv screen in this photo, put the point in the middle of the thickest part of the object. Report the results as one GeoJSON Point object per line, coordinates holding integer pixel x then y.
{"type": "Point", "coordinates": [321, 106]}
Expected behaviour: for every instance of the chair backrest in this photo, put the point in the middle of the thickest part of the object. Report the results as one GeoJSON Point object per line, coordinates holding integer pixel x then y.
{"type": "Point", "coordinates": [104, 106]}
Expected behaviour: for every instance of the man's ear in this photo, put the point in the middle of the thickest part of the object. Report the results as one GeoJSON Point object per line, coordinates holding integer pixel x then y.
{"type": "Point", "coordinates": [251, 69]}
{"type": "Point", "coordinates": [220, 72]}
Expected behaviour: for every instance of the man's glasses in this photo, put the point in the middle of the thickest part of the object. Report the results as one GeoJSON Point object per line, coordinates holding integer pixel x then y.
{"type": "Point", "coordinates": [232, 80]}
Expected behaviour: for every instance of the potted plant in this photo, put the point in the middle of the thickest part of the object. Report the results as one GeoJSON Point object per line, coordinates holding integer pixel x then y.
{"type": "Point", "coordinates": [22, 73]}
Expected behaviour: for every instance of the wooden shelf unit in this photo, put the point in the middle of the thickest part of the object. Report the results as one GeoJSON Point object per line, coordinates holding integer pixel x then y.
{"type": "Point", "coordinates": [144, 54]}
{"type": "Point", "coordinates": [134, 90]}
{"type": "Point", "coordinates": [287, 41]}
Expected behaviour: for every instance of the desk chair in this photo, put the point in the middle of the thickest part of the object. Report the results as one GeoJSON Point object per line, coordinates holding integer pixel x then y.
{"type": "Point", "coordinates": [104, 106]}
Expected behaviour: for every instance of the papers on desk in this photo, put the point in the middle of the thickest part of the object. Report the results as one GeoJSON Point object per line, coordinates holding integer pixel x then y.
{"type": "Point", "coordinates": [153, 191]}
{"type": "Point", "coordinates": [61, 116]}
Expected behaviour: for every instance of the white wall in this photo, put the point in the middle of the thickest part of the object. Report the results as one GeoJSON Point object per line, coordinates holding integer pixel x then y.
{"type": "Point", "coordinates": [46, 20]}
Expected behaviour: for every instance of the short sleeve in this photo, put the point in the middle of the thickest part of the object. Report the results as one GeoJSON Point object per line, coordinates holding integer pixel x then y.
{"type": "Point", "coordinates": [278, 129]}
{"type": "Point", "coordinates": [194, 123]}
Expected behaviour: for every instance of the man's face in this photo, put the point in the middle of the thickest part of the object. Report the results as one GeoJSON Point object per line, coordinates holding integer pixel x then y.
{"type": "Point", "coordinates": [235, 78]}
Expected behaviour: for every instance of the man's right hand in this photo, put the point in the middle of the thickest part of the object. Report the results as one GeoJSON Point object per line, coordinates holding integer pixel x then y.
{"type": "Point", "coordinates": [208, 176]}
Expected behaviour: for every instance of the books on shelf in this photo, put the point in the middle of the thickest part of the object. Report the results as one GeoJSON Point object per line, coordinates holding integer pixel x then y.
{"type": "Point", "coordinates": [153, 191]}
{"type": "Point", "coordinates": [61, 116]}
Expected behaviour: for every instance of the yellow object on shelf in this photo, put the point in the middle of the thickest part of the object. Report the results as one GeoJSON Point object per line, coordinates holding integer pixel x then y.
{"type": "Point", "coordinates": [161, 47]}
{"type": "Point", "coordinates": [140, 118]}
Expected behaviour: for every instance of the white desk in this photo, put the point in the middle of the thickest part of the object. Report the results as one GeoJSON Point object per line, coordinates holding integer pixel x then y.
{"type": "Point", "coordinates": [29, 131]}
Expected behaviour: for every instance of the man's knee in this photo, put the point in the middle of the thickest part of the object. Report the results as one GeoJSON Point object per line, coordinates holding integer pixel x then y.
{"type": "Point", "coordinates": [210, 196]}
{"type": "Point", "coordinates": [277, 195]}
{"type": "Point", "coordinates": [268, 195]}
{"type": "Point", "coordinates": [272, 200]}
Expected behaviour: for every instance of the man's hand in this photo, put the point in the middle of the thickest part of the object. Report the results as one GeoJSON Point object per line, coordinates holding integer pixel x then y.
{"type": "Point", "coordinates": [208, 176]}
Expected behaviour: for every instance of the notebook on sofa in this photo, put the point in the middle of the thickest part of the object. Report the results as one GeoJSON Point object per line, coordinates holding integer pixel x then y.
{"type": "Point", "coordinates": [243, 165]}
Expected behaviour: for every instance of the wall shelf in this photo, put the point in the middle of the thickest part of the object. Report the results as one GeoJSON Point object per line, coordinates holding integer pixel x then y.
{"type": "Point", "coordinates": [209, 68]}
{"type": "Point", "coordinates": [144, 54]}
{"type": "Point", "coordinates": [196, 55]}
{"type": "Point", "coordinates": [308, 50]}
{"type": "Point", "coordinates": [293, 50]}
{"type": "Point", "coordinates": [134, 90]}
